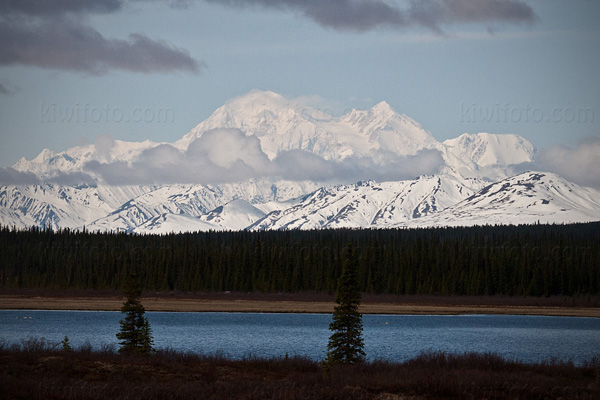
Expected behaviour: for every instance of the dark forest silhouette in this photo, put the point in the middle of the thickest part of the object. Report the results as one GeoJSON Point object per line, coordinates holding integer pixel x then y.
{"type": "Point", "coordinates": [535, 260]}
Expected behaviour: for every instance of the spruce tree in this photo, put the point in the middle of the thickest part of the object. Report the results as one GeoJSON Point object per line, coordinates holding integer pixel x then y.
{"type": "Point", "coordinates": [135, 335]}
{"type": "Point", "coordinates": [66, 345]}
{"type": "Point", "coordinates": [346, 344]}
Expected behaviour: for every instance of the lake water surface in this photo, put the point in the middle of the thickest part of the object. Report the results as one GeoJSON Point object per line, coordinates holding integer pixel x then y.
{"type": "Point", "coordinates": [390, 337]}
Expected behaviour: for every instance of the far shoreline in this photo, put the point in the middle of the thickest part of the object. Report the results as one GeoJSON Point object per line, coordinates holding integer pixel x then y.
{"type": "Point", "coordinates": [298, 303]}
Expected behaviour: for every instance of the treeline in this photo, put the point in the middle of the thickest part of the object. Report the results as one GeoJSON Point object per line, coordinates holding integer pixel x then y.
{"type": "Point", "coordinates": [536, 260]}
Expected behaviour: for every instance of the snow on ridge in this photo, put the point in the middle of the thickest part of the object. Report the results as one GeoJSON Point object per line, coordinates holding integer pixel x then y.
{"type": "Point", "coordinates": [456, 195]}
{"type": "Point", "coordinates": [442, 200]}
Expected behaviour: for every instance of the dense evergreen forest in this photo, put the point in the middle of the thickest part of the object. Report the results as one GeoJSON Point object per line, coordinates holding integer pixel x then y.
{"type": "Point", "coordinates": [536, 260]}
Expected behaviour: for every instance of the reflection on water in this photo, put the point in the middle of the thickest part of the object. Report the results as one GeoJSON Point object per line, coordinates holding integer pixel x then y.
{"type": "Point", "coordinates": [391, 337]}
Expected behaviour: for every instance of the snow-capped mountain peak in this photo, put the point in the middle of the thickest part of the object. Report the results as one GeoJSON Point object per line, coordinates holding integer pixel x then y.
{"type": "Point", "coordinates": [283, 125]}
{"type": "Point", "coordinates": [49, 164]}
{"type": "Point", "coordinates": [486, 149]}
{"type": "Point", "coordinates": [485, 155]}
{"type": "Point", "coordinates": [261, 131]}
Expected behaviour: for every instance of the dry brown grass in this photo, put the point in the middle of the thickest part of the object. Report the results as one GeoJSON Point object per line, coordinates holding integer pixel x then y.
{"type": "Point", "coordinates": [306, 303]}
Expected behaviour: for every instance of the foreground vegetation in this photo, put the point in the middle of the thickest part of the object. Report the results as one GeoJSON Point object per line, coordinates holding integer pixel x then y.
{"type": "Point", "coordinates": [536, 260]}
{"type": "Point", "coordinates": [35, 369]}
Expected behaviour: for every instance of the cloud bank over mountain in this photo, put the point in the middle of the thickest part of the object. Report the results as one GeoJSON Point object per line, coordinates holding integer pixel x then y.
{"type": "Point", "coordinates": [10, 176]}
{"type": "Point", "coordinates": [579, 164]}
{"type": "Point", "coordinates": [228, 155]}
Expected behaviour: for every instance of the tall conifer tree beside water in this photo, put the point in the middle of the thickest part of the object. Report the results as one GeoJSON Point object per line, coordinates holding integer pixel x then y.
{"type": "Point", "coordinates": [136, 334]}
{"type": "Point", "coordinates": [346, 344]}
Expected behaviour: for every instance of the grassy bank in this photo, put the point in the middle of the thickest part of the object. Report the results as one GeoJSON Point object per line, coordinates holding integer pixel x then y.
{"type": "Point", "coordinates": [307, 302]}
{"type": "Point", "coordinates": [34, 369]}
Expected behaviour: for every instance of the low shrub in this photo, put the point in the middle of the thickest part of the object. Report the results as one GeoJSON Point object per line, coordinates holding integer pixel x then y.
{"type": "Point", "coordinates": [37, 369]}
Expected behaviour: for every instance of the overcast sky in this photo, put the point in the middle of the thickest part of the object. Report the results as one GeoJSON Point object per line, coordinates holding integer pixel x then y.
{"type": "Point", "coordinates": [455, 66]}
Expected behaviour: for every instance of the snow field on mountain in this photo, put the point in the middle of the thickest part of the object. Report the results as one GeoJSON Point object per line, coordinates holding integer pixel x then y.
{"type": "Point", "coordinates": [299, 152]}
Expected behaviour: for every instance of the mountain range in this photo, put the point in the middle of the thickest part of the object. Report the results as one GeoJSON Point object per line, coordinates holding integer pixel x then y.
{"type": "Point", "coordinates": [262, 162]}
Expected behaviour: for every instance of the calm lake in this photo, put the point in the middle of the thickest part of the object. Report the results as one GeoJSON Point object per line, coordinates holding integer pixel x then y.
{"type": "Point", "coordinates": [391, 337]}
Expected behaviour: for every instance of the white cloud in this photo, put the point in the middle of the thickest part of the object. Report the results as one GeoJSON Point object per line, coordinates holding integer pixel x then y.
{"type": "Point", "coordinates": [580, 165]}
{"type": "Point", "coordinates": [104, 143]}
{"type": "Point", "coordinates": [227, 147]}
{"type": "Point", "coordinates": [228, 155]}
{"type": "Point", "coordinates": [10, 176]}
